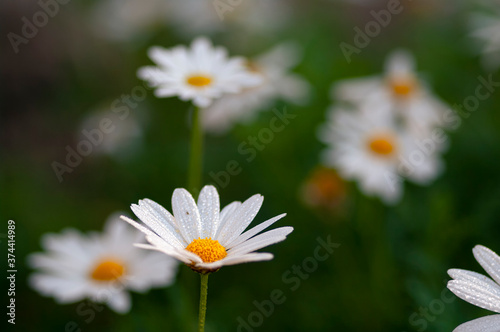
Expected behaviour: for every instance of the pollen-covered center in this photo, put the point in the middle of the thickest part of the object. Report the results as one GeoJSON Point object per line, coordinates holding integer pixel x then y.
{"type": "Point", "coordinates": [209, 250]}
{"type": "Point", "coordinates": [199, 80]}
{"type": "Point", "coordinates": [108, 270]}
{"type": "Point", "coordinates": [381, 145]}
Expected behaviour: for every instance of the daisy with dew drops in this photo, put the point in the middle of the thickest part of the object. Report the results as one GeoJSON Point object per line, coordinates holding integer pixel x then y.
{"type": "Point", "coordinates": [200, 73]}
{"type": "Point", "coordinates": [100, 266]}
{"type": "Point", "coordinates": [204, 237]}
{"type": "Point", "coordinates": [479, 290]}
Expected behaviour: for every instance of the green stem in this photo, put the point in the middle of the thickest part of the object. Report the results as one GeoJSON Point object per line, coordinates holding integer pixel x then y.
{"type": "Point", "coordinates": [195, 158]}
{"type": "Point", "coordinates": [203, 301]}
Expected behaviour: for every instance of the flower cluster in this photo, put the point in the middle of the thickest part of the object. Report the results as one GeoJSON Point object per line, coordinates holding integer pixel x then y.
{"type": "Point", "coordinates": [385, 128]}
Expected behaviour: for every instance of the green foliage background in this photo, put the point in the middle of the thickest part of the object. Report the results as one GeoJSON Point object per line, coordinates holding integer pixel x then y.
{"type": "Point", "coordinates": [392, 261]}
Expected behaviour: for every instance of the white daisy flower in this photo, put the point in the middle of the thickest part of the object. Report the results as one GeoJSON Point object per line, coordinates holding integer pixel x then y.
{"type": "Point", "coordinates": [202, 236]}
{"type": "Point", "coordinates": [479, 290]}
{"type": "Point", "coordinates": [400, 87]}
{"type": "Point", "coordinates": [120, 139]}
{"type": "Point", "coordinates": [201, 73]}
{"type": "Point", "coordinates": [369, 148]}
{"type": "Point", "coordinates": [100, 267]}
{"type": "Point", "coordinates": [273, 67]}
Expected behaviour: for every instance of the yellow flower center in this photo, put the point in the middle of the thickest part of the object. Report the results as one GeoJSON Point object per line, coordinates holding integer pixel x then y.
{"type": "Point", "coordinates": [108, 271]}
{"type": "Point", "coordinates": [209, 250]}
{"type": "Point", "coordinates": [328, 183]}
{"type": "Point", "coordinates": [403, 87]}
{"type": "Point", "coordinates": [381, 145]}
{"type": "Point", "coordinates": [199, 80]}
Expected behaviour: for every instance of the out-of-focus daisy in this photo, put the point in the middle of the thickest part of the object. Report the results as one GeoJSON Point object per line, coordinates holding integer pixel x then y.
{"type": "Point", "coordinates": [324, 188]}
{"type": "Point", "coordinates": [100, 267]}
{"type": "Point", "coordinates": [479, 290]}
{"type": "Point", "coordinates": [408, 96]}
{"type": "Point", "coordinates": [371, 149]}
{"type": "Point", "coordinates": [193, 17]}
{"type": "Point", "coordinates": [273, 67]}
{"type": "Point", "coordinates": [486, 29]}
{"type": "Point", "coordinates": [201, 73]}
{"type": "Point", "coordinates": [119, 139]}
{"type": "Point", "coordinates": [126, 19]}
{"type": "Point", "coordinates": [202, 236]}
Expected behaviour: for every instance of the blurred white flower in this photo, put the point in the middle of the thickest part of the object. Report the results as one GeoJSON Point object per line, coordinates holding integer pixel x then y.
{"type": "Point", "coordinates": [120, 139]}
{"type": "Point", "coordinates": [126, 19]}
{"type": "Point", "coordinates": [485, 27]}
{"type": "Point", "coordinates": [100, 266]}
{"type": "Point", "coordinates": [277, 82]}
{"type": "Point", "coordinates": [202, 236]}
{"type": "Point", "coordinates": [193, 17]}
{"type": "Point", "coordinates": [479, 290]}
{"type": "Point", "coordinates": [201, 73]}
{"type": "Point", "coordinates": [369, 148]}
{"type": "Point", "coordinates": [409, 98]}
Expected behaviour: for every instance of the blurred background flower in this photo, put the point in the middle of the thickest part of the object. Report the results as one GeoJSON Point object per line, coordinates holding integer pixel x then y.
{"type": "Point", "coordinates": [100, 267]}
{"type": "Point", "coordinates": [485, 28]}
{"type": "Point", "coordinates": [277, 83]}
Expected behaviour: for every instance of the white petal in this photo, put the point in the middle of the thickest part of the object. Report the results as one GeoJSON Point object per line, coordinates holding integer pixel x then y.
{"type": "Point", "coordinates": [261, 241]}
{"type": "Point", "coordinates": [240, 219]}
{"type": "Point", "coordinates": [255, 230]}
{"type": "Point", "coordinates": [247, 258]}
{"type": "Point", "coordinates": [208, 205]}
{"type": "Point", "coordinates": [120, 302]}
{"type": "Point", "coordinates": [161, 56]}
{"type": "Point", "coordinates": [64, 290]}
{"type": "Point", "coordinates": [167, 251]}
{"type": "Point", "coordinates": [157, 242]}
{"type": "Point", "coordinates": [186, 214]}
{"type": "Point", "coordinates": [143, 229]}
{"type": "Point", "coordinates": [483, 324]}
{"type": "Point", "coordinates": [400, 62]}
{"type": "Point", "coordinates": [488, 260]}
{"type": "Point", "coordinates": [226, 215]}
{"type": "Point", "coordinates": [475, 288]}
{"type": "Point", "coordinates": [159, 221]}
